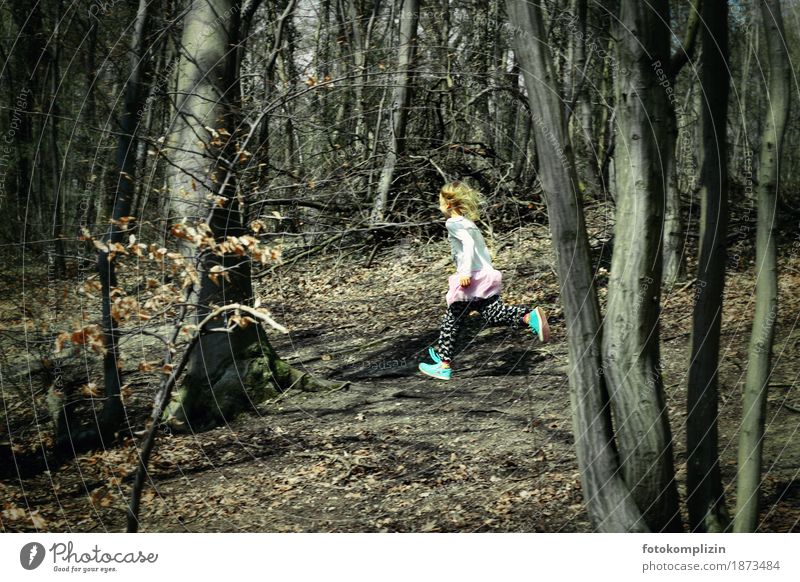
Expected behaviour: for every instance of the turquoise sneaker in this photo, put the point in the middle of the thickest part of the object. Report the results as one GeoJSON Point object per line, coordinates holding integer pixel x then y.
{"type": "Point", "coordinates": [539, 326]}
{"type": "Point", "coordinates": [437, 370]}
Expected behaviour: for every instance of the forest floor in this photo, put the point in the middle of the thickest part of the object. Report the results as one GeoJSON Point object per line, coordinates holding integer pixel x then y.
{"type": "Point", "coordinates": [393, 450]}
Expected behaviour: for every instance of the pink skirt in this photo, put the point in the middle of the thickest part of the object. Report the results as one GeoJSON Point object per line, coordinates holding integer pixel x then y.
{"type": "Point", "coordinates": [485, 283]}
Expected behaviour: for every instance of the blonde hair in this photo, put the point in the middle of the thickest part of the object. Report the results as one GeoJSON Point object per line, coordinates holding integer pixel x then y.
{"type": "Point", "coordinates": [464, 199]}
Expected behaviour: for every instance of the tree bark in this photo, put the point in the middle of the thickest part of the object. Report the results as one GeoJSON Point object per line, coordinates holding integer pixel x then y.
{"type": "Point", "coordinates": [751, 47]}
{"type": "Point", "coordinates": [361, 39]}
{"type": "Point", "coordinates": [207, 74]}
{"type": "Point", "coordinates": [631, 355]}
{"type": "Point", "coordinates": [123, 200]}
{"type": "Point", "coordinates": [59, 192]}
{"type": "Point", "coordinates": [581, 117]}
{"type": "Point", "coordinates": [751, 436]}
{"type": "Point", "coordinates": [227, 372]}
{"type": "Point", "coordinates": [400, 100]}
{"type": "Point", "coordinates": [705, 497]}
{"type": "Point", "coordinates": [674, 243]}
{"type": "Point", "coordinates": [609, 502]}
{"type": "Point", "coordinates": [605, 141]}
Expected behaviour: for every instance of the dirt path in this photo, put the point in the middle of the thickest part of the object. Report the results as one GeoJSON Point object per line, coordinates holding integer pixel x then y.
{"type": "Point", "coordinates": [396, 450]}
{"type": "Point", "coordinates": [491, 450]}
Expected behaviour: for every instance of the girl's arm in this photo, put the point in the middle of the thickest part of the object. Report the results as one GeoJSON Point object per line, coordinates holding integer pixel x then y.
{"type": "Point", "coordinates": [464, 267]}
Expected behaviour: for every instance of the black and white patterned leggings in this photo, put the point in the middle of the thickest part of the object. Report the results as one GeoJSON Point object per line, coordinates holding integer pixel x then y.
{"type": "Point", "coordinates": [493, 311]}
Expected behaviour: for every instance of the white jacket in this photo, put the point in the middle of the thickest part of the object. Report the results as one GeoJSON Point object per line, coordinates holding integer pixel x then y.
{"type": "Point", "coordinates": [467, 245]}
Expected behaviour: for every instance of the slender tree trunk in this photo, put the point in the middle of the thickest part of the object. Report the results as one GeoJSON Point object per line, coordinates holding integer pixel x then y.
{"type": "Point", "coordinates": [673, 241]}
{"type": "Point", "coordinates": [705, 497]}
{"type": "Point", "coordinates": [400, 101]}
{"type": "Point", "coordinates": [606, 126]}
{"type": "Point", "coordinates": [123, 200]}
{"type": "Point", "coordinates": [59, 194]}
{"type": "Point", "coordinates": [610, 504]}
{"type": "Point", "coordinates": [751, 48]}
{"type": "Point", "coordinates": [85, 214]}
{"type": "Point", "coordinates": [268, 75]}
{"type": "Point", "coordinates": [360, 39]}
{"type": "Point", "coordinates": [520, 151]}
{"type": "Point", "coordinates": [751, 437]}
{"type": "Point", "coordinates": [293, 153]}
{"type": "Point", "coordinates": [581, 119]}
{"type": "Point", "coordinates": [631, 331]}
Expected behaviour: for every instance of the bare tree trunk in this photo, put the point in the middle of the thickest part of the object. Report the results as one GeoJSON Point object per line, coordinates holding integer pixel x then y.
{"type": "Point", "coordinates": [579, 98]}
{"type": "Point", "coordinates": [123, 200]}
{"type": "Point", "coordinates": [751, 437]}
{"type": "Point", "coordinates": [705, 497]}
{"type": "Point", "coordinates": [631, 331]}
{"type": "Point", "coordinates": [673, 240]}
{"type": "Point", "coordinates": [673, 243]}
{"type": "Point", "coordinates": [497, 108]}
{"type": "Point", "coordinates": [520, 152]}
{"type": "Point", "coordinates": [609, 502]}
{"type": "Point", "coordinates": [228, 372]}
{"type": "Point", "coordinates": [360, 39]}
{"type": "Point", "coordinates": [85, 214]}
{"type": "Point", "coordinates": [750, 48]}
{"type": "Point", "coordinates": [605, 147]}
{"type": "Point", "coordinates": [59, 194]}
{"type": "Point", "coordinates": [206, 75]}
{"type": "Point", "coordinates": [265, 140]}
{"type": "Point", "coordinates": [400, 100]}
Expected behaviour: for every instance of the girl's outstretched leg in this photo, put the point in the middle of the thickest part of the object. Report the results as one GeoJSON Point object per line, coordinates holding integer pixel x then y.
{"type": "Point", "coordinates": [450, 330]}
{"type": "Point", "coordinates": [497, 312]}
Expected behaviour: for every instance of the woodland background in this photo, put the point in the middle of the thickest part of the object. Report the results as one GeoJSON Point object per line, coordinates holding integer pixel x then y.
{"type": "Point", "coordinates": [223, 259]}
